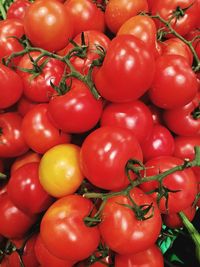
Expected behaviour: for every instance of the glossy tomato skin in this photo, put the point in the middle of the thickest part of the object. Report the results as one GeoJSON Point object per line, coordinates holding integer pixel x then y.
{"type": "Point", "coordinates": [12, 141]}
{"type": "Point", "coordinates": [85, 15]}
{"type": "Point", "coordinates": [174, 83]}
{"type": "Point", "coordinates": [150, 257]}
{"type": "Point", "coordinates": [39, 132]}
{"type": "Point", "coordinates": [64, 220]}
{"type": "Point", "coordinates": [24, 105]}
{"type": "Point", "coordinates": [39, 89]}
{"type": "Point", "coordinates": [17, 9]}
{"type": "Point", "coordinates": [104, 154]}
{"type": "Point", "coordinates": [45, 258]}
{"type": "Point", "coordinates": [76, 111]}
{"type": "Point", "coordinates": [138, 234]}
{"type": "Point", "coordinates": [13, 222]}
{"type": "Point", "coordinates": [117, 12]}
{"type": "Point", "coordinates": [8, 28]}
{"type": "Point", "coordinates": [59, 171]}
{"type": "Point", "coordinates": [25, 190]}
{"type": "Point", "coordinates": [134, 115]}
{"type": "Point", "coordinates": [11, 87]}
{"type": "Point", "coordinates": [131, 76]}
{"type": "Point", "coordinates": [48, 25]}
{"type": "Point", "coordinates": [184, 182]}
{"type": "Point", "coordinates": [183, 121]}
{"type": "Point", "coordinates": [160, 142]}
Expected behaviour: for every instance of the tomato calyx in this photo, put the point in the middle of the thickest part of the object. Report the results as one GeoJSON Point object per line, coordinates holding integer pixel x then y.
{"type": "Point", "coordinates": [180, 12]}
{"type": "Point", "coordinates": [196, 112]}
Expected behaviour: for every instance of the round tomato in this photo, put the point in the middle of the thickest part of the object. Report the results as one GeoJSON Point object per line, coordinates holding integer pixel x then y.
{"type": "Point", "coordinates": [24, 105]}
{"type": "Point", "coordinates": [17, 9]}
{"type": "Point", "coordinates": [48, 25]}
{"type": "Point", "coordinates": [59, 170]}
{"type": "Point", "coordinates": [64, 221]}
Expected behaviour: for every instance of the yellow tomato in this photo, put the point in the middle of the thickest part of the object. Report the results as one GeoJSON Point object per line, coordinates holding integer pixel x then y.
{"type": "Point", "coordinates": [59, 170]}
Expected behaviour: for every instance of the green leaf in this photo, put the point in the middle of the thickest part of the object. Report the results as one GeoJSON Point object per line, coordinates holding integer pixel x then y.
{"type": "Point", "coordinates": [174, 258]}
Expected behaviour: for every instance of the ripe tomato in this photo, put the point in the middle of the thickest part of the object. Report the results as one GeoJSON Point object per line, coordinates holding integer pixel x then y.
{"type": "Point", "coordinates": [174, 83]}
{"type": "Point", "coordinates": [117, 12]}
{"type": "Point", "coordinates": [85, 15]}
{"type": "Point", "coordinates": [25, 190]}
{"type": "Point", "coordinates": [134, 115]}
{"type": "Point", "coordinates": [48, 25]}
{"type": "Point", "coordinates": [120, 228]}
{"type": "Point", "coordinates": [24, 105]}
{"type": "Point", "coordinates": [64, 221]}
{"type": "Point", "coordinates": [81, 110]}
{"type": "Point", "coordinates": [104, 154]}
{"type": "Point", "coordinates": [131, 77]}
{"type": "Point", "coordinates": [12, 142]}
{"type": "Point", "coordinates": [59, 170]}
{"type": "Point", "coordinates": [150, 257]}
{"type": "Point", "coordinates": [11, 87]}
{"type": "Point", "coordinates": [17, 9]}
{"type": "Point", "coordinates": [39, 132]}
{"type": "Point", "coordinates": [183, 184]}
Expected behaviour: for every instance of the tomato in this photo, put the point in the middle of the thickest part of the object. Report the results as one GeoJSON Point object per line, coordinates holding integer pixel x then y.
{"type": "Point", "coordinates": [11, 87]}
{"type": "Point", "coordinates": [45, 258]}
{"type": "Point", "coordinates": [85, 15]}
{"type": "Point", "coordinates": [48, 25]}
{"type": "Point", "coordinates": [175, 46]}
{"type": "Point", "coordinates": [184, 120]}
{"type": "Point", "coordinates": [17, 9]}
{"type": "Point", "coordinates": [93, 39]}
{"type": "Point", "coordinates": [79, 106]}
{"type": "Point", "coordinates": [12, 142]}
{"type": "Point", "coordinates": [174, 83]}
{"type": "Point", "coordinates": [150, 257]}
{"type": "Point", "coordinates": [25, 190]}
{"type": "Point", "coordinates": [24, 105]}
{"type": "Point", "coordinates": [122, 230]}
{"type": "Point", "coordinates": [13, 222]}
{"type": "Point", "coordinates": [39, 88]}
{"type": "Point", "coordinates": [160, 142]}
{"type": "Point", "coordinates": [192, 35]}
{"type": "Point", "coordinates": [39, 132]}
{"type": "Point", "coordinates": [142, 27]}
{"type": "Point", "coordinates": [59, 170]}
{"type": "Point", "coordinates": [134, 115]}
{"type": "Point", "coordinates": [9, 45]}
{"type": "Point", "coordinates": [64, 221]}
{"type": "Point", "coordinates": [183, 184]}
{"type": "Point", "coordinates": [117, 12]}
{"type": "Point", "coordinates": [173, 220]}
{"type": "Point", "coordinates": [183, 23]}
{"type": "Point", "coordinates": [130, 78]}
{"type": "Point", "coordinates": [104, 155]}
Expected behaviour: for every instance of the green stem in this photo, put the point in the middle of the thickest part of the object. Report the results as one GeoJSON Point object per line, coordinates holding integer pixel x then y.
{"type": "Point", "coordinates": [2, 176]}
{"type": "Point", "coordinates": [3, 11]}
{"type": "Point", "coordinates": [193, 233]}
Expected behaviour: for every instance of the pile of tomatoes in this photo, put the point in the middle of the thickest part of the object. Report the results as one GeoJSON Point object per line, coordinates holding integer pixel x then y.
{"type": "Point", "coordinates": [99, 130]}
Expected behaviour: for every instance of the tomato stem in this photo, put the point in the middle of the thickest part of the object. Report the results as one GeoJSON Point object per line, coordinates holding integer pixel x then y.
{"type": "Point", "coordinates": [3, 11]}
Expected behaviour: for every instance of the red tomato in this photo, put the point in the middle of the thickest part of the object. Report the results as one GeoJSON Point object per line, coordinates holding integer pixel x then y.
{"type": "Point", "coordinates": [79, 106]}
{"type": "Point", "coordinates": [182, 24]}
{"type": "Point", "coordinates": [150, 257]}
{"type": "Point", "coordinates": [39, 132]}
{"type": "Point", "coordinates": [9, 45]}
{"type": "Point", "coordinates": [191, 35]}
{"type": "Point", "coordinates": [11, 87]}
{"type": "Point", "coordinates": [17, 9]}
{"type": "Point", "coordinates": [184, 120]}
{"type": "Point", "coordinates": [64, 221]}
{"type": "Point", "coordinates": [184, 182]}
{"type": "Point", "coordinates": [85, 15]}
{"type": "Point", "coordinates": [131, 76]}
{"type": "Point", "coordinates": [24, 105]}
{"type": "Point", "coordinates": [13, 222]}
{"type": "Point", "coordinates": [12, 142]}
{"type": "Point", "coordinates": [174, 83]}
{"type": "Point", "coordinates": [134, 115]}
{"type": "Point", "coordinates": [160, 142]}
{"type": "Point", "coordinates": [117, 12]}
{"type": "Point", "coordinates": [39, 88]}
{"type": "Point", "coordinates": [46, 259]}
{"type": "Point", "coordinates": [48, 25]}
{"type": "Point", "coordinates": [104, 155]}
{"type": "Point", "coordinates": [122, 230]}
{"type": "Point", "coordinates": [25, 190]}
